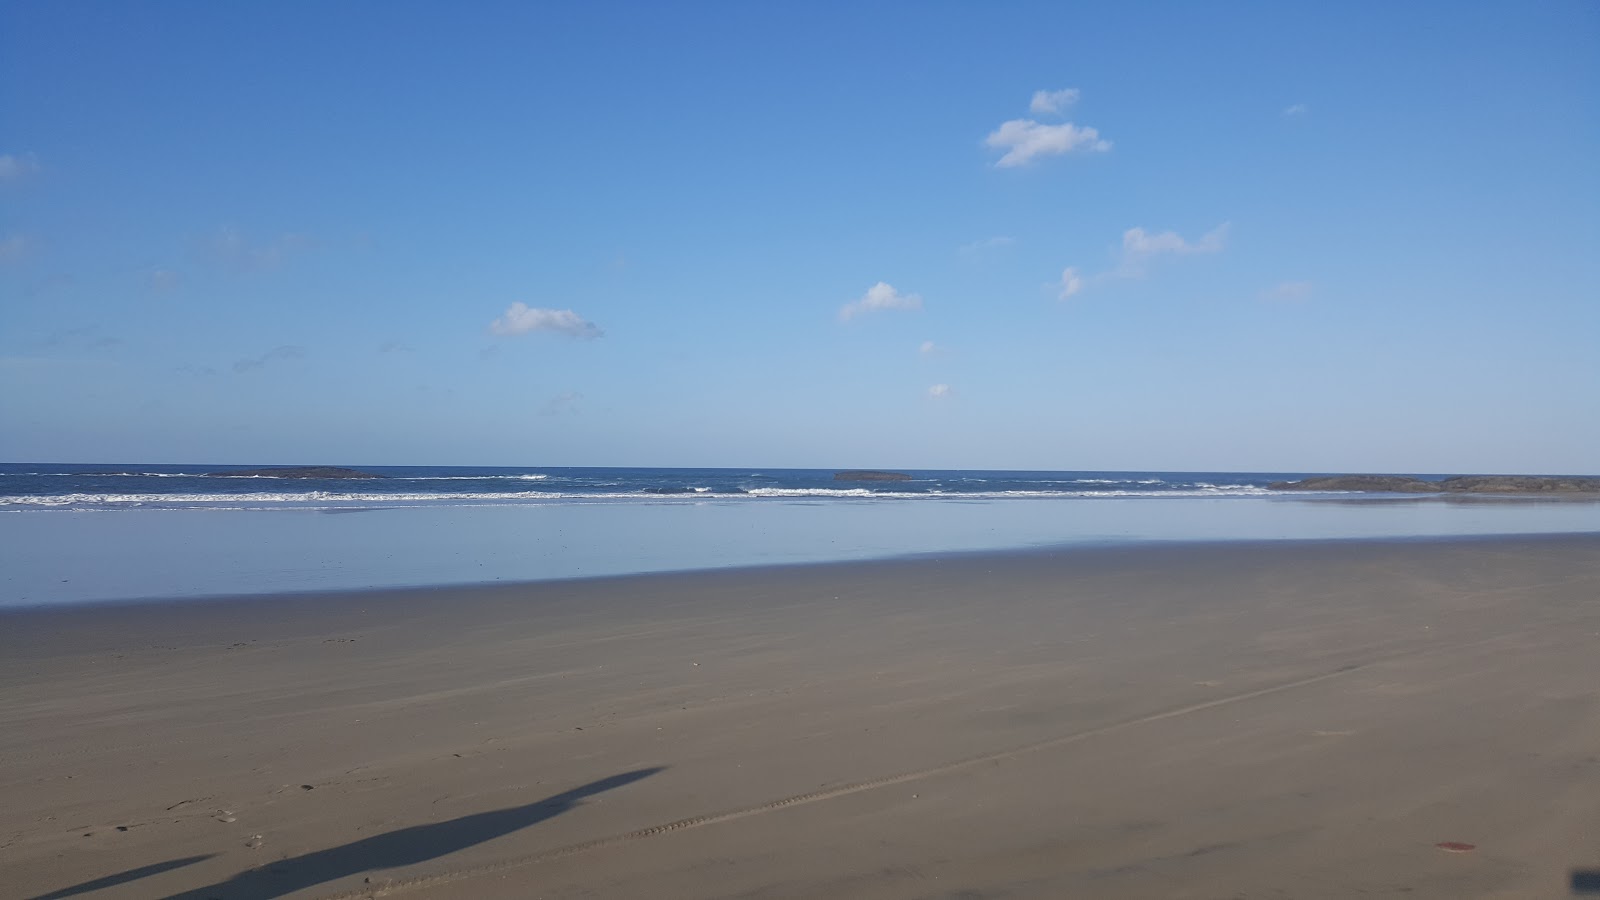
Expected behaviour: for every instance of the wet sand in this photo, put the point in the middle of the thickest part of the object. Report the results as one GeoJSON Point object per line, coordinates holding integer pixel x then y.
{"type": "Point", "coordinates": [1202, 721]}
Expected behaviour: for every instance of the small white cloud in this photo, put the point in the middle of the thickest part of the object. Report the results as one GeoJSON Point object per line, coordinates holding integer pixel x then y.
{"type": "Point", "coordinates": [14, 168]}
{"type": "Point", "coordinates": [991, 243]}
{"type": "Point", "coordinates": [273, 355]}
{"type": "Point", "coordinates": [1025, 140]}
{"type": "Point", "coordinates": [1296, 110]}
{"type": "Point", "coordinates": [1288, 292]}
{"type": "Point", "coordinates": [1048, 103]}
{"type": "Point", "coordinates": [14, 248]}
{"type": "Point", "coordinates": [1071, 282]}
{"type": "Point", "coordinates": [879, 297]}
{"type": "Point", "coordinates": [939, 392]}
{"type": "Point", "coordinates": [520, 318]}
{"type": "Point", "coordinates": [1139, 247]}
{"type": "Point", "coordinates": [928, 348]}
{"type": "Point", "coordinates": [163, 280]}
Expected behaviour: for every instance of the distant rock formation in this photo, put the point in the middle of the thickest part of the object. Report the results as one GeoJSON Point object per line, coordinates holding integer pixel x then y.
{"type": "Point", "coordinates": [870, 475]}
{"type": "Point", "coordinates": [1456, 484]}
{"type": "Point", "coordinates": [1520, 484]}
{"type": "Point", "coordinates": [1399, 484]}
{"type": "Point", "coordinates": [295, 472]}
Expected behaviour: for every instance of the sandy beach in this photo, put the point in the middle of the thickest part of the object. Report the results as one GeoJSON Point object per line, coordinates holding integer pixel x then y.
{"type": "Point", "coordinates": [1287, 720]}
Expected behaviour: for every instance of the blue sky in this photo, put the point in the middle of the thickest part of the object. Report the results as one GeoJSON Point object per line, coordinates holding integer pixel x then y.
{"type": "Point", "coordinates": [1300, 237]}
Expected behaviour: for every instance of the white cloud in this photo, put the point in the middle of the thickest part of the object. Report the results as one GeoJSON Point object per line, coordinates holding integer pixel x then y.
{"type": "Point", "coordinates": [14, 248]}
{"type": "Point", "coordinates": [520, 318]}
{"type": "Point", "coordinates": [939, 392]}
{"type": "Point", "coordinates": [928, 348]}
{"type": "Point", "coordinates": [1025, 140]}
{"type": "Point", "coordinates": [273, 355]}
{"type": "Point", "coordinates": [1048, 103]}
{"type": "Point", "coordinates": [1071, 282]}
{"type": "Point", "coordinates": [1288, 291]}
{"type": "Point", "coordinates": [1139, 247]}
{"type": "Point", "coordinates": [878, 297]}
{"type": "Point", "coordinates": [1296, 110]}
{"type": "Point", "coordinates": [17, 167]}
{"type": "Point", "coordinates": [990, 243]}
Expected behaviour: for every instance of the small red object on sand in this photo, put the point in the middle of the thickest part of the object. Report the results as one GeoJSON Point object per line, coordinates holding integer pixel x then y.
{"type": "Point", "coordinates": [1455, 846]}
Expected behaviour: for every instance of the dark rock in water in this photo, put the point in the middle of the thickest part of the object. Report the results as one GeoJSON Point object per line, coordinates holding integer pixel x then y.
{"type": "Point", "coordinates": [869, 475]}
{"type": "Point", "coordinates": [295, 472]}
{"type": "Point", "coordinates": [1399, 484]}
{"type": "Point", "coordinates": [1456, 484]}
{"type": "Point", "coordinates": [1520, 484]}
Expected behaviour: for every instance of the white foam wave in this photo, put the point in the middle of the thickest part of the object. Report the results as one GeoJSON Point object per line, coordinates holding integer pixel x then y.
{"type": "Point", "coordinates": [815, 492]}
{"type": "Point", "coordinates": [268, 499]}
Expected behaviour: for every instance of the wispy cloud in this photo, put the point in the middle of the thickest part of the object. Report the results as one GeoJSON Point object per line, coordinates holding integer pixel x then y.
{"type": "Point", "coordinates": [163, 281]}
{"type": "Point", "coordinates": [285, 352]}
{"type": "Point", "coordinates": [1048, 103]}
{"type": "Point", "coordinates": [881, 296]}
{"type": "Point", "coordinates": [1288, 292]}
{"type": "Point", "coordinates": [15, 168]}
{"type": "Point", "coordinates": [940, 392]}
{"type": "Point", "coordinates": [1140, 248]}
{"type": "Point", "coordinates": [1025, 140]}
{"type": "Point", "coordinates": [228, 248]}
{"type": "Point", "coordinates": [929, 348]}
{"type": "Point", "coordinates": [14, 248]}
{"type": "Point", "coordinates": [985, 245]}
{"type": "Point", "coordinates": [1071, 283]}
{"type": "Point", "coordinates": [564, 403]}
{"type": "Point", "coordinates": [521, 318]}
{"type": "Point", "coordinates": [1296, 110]}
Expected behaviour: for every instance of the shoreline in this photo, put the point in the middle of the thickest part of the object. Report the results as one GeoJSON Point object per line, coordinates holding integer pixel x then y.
{"type": "Point", "coordinates": [626, 579]}
{"type": "Point", "coordinates": [1129, 722]}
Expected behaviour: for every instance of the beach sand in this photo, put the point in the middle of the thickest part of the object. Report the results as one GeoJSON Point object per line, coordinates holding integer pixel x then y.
{"type": "Point", "coordinates": [1297, 720]}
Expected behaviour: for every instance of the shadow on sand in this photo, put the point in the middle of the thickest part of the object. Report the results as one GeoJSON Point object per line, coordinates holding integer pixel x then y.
{"type": "Point", "coordinates": [1586, 881]}
{"type": "Point", "coordinates": [404, 847]}
{"type": "Point", "coordinates": [124, 877]}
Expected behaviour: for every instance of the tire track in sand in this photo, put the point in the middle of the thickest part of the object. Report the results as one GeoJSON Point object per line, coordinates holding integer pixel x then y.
{"type": "Point", "coordinates": [437, 878]}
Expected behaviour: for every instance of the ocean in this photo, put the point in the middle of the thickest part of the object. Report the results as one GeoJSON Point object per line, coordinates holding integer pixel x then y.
{"type": "Point", "coordinates": [113, 532]}
{"type": "Point", "coordinates": [58, 486]}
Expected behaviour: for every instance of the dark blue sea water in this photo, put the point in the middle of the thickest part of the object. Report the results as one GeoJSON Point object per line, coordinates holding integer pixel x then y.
{"type": "Point", "coordinates": [117, 486]}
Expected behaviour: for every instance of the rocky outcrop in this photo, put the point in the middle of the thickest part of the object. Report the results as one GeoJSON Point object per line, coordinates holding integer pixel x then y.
{"type": "Point", "coordinates": [1456, 484]}
{"type": "Point", "coordinates": [295, 472]}
{"type": "Point", "coordinates": [870, 475]}
{"type": "Point", "coordinates": [1399, 484]}
{"type": "Point", "coordinates": [1520, 484]}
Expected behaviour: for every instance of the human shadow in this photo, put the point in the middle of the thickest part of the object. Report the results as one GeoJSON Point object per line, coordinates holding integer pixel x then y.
{"type": "Point", "coordinates": [123, 877]}
{"type": "Point", "coordinates": [1586, 881]}
{"type": "Point", "coordinates": [403, 847]}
